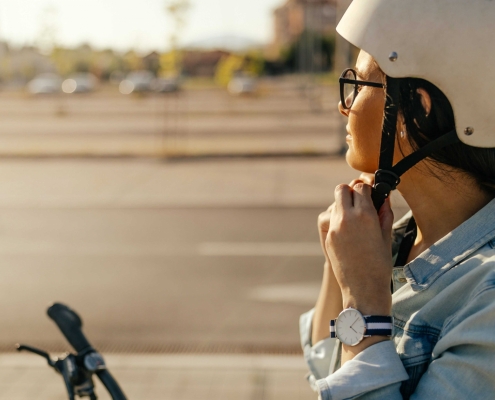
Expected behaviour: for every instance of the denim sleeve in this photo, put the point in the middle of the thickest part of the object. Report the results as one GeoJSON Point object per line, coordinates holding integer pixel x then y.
{"type": "Point", "coordinates": [463, 361]}
{"type": "Point", "coordinates": [375, 373]}
{"type": "Point", "coordinates": [317, 357]}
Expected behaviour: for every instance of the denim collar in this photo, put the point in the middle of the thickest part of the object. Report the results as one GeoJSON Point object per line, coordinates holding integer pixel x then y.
{"type": "Point", "coordinates": [449, 251]}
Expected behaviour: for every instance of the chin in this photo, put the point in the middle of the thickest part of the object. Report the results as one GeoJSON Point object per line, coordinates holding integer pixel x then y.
{"type": "Point", "coordinates": [360, 163]}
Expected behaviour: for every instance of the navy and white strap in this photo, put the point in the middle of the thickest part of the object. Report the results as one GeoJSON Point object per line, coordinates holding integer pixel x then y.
{"type": "Point", "coordinates": [376, 325]}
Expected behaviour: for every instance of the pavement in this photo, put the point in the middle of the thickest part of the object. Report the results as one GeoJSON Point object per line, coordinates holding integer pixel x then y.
{"type": "Point", "coordinates": [188, 124]}
{"type": "Point", "coordinates": [190, 276]}
{"type": "Point", "coordinates": [168, 377]}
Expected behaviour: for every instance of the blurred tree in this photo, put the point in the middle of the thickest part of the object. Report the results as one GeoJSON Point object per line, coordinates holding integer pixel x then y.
{"type": "Point", "coordinates": [169, 62]}
{"type": "Point", "coordinates": [254, 63]}
{"type": "Point", "coordinates": [132, 61]}
{"type": "Point", "coordinates": [177, 10]}
{"type": "Point", "coordinates": [227, 68]}
{"type": "Point", "coordinates": [311, 52]}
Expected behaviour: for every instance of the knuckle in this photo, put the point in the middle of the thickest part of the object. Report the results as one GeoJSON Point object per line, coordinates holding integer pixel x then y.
{"type": "Point", "coordinates": [323, 220]}
{"type": "Point", "coordinates": [341, 188]}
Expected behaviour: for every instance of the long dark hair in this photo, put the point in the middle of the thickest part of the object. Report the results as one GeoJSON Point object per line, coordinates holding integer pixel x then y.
{"type": "Point", "coordinates": [478, 163]}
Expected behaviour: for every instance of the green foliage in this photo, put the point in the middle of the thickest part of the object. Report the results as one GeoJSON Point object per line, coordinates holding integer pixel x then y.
{"type": "Point", "coordinates": [227, 68]}
{"type": "Point", "coordinates": [101, 63]}
{"type": "Point", "coordinates": [311, 52]}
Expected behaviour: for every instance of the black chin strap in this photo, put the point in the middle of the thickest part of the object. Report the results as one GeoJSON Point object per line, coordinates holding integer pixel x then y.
{"type": "Point", "coordinates": [388, 176]}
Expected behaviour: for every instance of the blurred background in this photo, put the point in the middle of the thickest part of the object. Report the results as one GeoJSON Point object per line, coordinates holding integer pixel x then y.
{"type": "Point", "coordinates": [162, 167]}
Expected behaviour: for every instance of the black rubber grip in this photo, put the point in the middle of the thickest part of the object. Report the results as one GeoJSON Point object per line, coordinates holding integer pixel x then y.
{"type": "Point", "coordinates": [71, 326]}
{"type": "Point", "coordinates": [111, 384]}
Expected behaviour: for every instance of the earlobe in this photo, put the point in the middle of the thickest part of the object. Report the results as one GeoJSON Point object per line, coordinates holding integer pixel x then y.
{"type": "Point", "coordinates": [425, 100]}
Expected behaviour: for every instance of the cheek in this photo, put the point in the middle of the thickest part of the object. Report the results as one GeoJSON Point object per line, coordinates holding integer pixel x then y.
{"type": "Point", "coordinates": [366, 121]}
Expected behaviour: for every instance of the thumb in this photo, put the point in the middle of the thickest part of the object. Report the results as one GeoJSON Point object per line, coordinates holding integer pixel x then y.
{"type": "Point", "coordinates": [386, 217]}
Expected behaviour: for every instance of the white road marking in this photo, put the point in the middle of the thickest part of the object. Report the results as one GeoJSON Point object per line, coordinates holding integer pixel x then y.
{"type": "Point", "coordinates": [252, 249]}
{"type": "Point", "coordinates": [235, 249]}
{"type": "Point", "coordinates": [301, 294]}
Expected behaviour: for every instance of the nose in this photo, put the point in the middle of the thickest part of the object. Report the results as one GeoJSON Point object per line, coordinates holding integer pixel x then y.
{"type": "Point", "coordinates": [342, 110]}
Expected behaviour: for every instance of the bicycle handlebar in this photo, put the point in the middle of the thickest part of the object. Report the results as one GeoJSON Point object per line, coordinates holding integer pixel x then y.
{"type": "Point", "coordinates": [71, 326]}
{"type": "Point", "coordinates": [111, 384]}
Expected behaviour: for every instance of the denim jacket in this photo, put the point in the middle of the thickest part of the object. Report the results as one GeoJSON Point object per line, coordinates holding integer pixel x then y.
{"type": "Point", "coordinates": [443, 345]}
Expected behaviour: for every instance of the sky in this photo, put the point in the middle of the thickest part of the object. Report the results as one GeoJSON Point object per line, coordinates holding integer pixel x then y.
{"type": "Point", "coordinates": [138, 24]}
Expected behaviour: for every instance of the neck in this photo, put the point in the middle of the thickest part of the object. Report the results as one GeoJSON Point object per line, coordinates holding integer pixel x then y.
{"type": "Point", "coordinates": [440, 204]}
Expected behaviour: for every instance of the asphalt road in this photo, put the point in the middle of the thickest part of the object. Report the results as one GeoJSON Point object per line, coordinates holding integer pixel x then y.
{"type": "Point", "coordinates": [200, 279]}
{"type": "Point", "coordinates": [193, 122]}
{"type": "Point", "coordinates": [217, 256]}
{"type": "Point", "coordinates": [212, 256]}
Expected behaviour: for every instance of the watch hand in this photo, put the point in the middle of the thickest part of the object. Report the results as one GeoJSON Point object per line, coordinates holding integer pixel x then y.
{"type": "Point", "coordinates": [353, 329]}
{"type": "Point", "coordinates": [357, 319]}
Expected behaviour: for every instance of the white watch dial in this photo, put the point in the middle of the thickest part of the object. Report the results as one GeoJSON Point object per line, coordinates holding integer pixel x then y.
{"type": "Point", "coordinates": [350, 327]}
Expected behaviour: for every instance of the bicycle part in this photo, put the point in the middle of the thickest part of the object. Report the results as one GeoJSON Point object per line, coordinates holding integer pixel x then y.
{"type": "Point", "coordinates": [21, 347]}
{"type": "Point", "coordinates": [71, 326]}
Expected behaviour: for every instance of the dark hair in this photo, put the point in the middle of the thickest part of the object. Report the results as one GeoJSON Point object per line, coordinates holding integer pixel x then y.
{"type": "Point", "coordinates": [479, 163]}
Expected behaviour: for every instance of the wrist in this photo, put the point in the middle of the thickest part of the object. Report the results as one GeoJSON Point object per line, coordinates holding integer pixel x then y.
{"type": "Point", "coordinates": [369, 305]}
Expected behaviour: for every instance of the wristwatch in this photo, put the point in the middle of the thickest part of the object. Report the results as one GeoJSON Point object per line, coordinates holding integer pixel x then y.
{"type": "Point", "coordinates": [351, 327]}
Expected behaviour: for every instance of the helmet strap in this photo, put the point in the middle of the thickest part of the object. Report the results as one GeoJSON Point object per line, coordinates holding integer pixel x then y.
{"type": "Point", "coordinates": [387, 178]}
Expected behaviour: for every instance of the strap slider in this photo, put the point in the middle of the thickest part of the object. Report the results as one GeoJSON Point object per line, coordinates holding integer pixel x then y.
{"type": "Point", "coordinates": [386, 181]}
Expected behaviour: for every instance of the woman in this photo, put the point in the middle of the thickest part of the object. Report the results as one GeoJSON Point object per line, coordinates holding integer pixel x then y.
{"type": "Point", "coordinates": [430, 66]}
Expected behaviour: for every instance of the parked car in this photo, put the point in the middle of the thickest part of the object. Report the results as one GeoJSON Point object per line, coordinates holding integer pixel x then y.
{"type": "Point", "coordinates": [242, 85]}
{"type": "Point", "coordinates": [137, 81]}
{"type": "Point", "coordinates": [46, 83]}
{"type": "Point", "coordinates": [165, 85]}
{"type": "Point", "coordinates": [80, 83]}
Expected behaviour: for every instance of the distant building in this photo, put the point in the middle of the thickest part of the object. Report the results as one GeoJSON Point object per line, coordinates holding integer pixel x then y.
{"type": "Point", "coordinates": [297, 16]}
{"type": "Point", "coordinates": [202, 63]}
{"type": "Point", "coordinates": [151, 62]}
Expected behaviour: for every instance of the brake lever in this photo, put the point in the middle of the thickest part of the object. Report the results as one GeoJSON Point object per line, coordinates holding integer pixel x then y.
{"type": "Point", "coordinates": [44, 354]}
{"type": "Point", "coordinates": [77, 371]}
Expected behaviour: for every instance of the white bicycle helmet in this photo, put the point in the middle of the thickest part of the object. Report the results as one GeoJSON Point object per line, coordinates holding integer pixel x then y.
{"type": "Point", "coordinates": [446, 42]}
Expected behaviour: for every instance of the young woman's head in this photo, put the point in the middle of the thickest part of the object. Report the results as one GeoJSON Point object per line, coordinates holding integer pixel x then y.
{"type": "Point", "coordinates": [425, 114]}
{"type": "Point", "coordinates": [433, 80]}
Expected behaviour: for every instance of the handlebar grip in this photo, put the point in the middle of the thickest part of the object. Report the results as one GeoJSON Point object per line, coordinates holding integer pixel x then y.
{"type": "Point", "coordinates": [111, 384]}
{"type": "Point", "coordinates": [71, 326]}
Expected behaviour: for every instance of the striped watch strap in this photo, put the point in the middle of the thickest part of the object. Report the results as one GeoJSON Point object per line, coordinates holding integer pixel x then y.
{"type": "Point", "coordinates": [376, 325]}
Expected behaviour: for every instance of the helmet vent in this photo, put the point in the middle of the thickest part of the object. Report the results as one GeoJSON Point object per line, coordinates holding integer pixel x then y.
{"type": "Point", "coordinates": [469, 131]}
{"type": "Point", "coordinates": [393, 56]}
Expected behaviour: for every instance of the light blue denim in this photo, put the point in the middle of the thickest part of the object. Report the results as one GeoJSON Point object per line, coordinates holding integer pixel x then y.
{"type": "Point", "coordinates": [443, 345]}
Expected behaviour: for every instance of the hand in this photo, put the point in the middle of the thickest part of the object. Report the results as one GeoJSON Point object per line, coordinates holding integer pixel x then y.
{"type": "Point", "coordinates": [329, 303]}
{"type": "Point", "coordinates": [358, 245]}
{"type": "Point", "coordinates": [324, 217]}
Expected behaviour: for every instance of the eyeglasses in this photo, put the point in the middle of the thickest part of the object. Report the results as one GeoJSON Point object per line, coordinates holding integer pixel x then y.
{"type": "Point", "coordinates": [350, 87]}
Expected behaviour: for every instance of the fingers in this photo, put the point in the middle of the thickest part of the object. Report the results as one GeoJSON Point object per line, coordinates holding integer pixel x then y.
{"type": "Point", "coordinates": [362, 197]}
{"type": "Point", "coordinates": [386, 217]}
{"type": "Point", "coordinates": [324, 221]}
{"type": "Point", "coordinates": [355, 182]}
{"type": "Point", "coordinates": [343, 197]}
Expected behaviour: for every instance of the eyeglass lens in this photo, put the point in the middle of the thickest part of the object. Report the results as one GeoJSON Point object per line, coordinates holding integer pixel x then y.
{"type": "Point", "coordinates": [350, 89]}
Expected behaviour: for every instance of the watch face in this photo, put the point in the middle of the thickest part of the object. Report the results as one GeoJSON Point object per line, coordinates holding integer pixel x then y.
{"type": "Point", "coordinates": [350, 327]}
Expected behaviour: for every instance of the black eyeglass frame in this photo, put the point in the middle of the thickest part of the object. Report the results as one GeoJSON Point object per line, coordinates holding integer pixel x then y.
{"type": "Point", "coordinates": [356, 83]}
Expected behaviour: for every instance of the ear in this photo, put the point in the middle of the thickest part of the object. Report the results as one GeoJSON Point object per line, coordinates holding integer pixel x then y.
{"type": "Point", "coordinates": [425, 100]}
